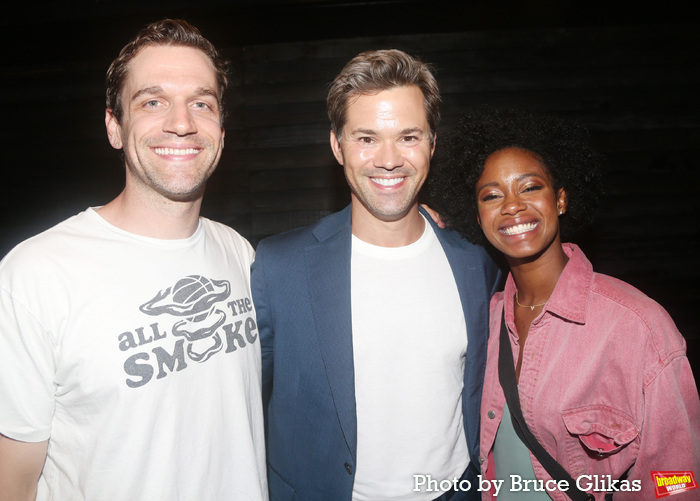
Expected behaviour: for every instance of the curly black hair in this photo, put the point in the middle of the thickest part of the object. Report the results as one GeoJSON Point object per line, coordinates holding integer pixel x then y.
{"type": "Point", "coordinates": [562, 146]}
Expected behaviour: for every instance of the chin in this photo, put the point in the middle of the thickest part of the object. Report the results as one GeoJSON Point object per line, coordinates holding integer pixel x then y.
{"type": "Point", "coordinates": [185, 196]}
{"type": "Point", "coordinates": [525, 254]}
{"type": "Point", "coordinates": [388, 214]}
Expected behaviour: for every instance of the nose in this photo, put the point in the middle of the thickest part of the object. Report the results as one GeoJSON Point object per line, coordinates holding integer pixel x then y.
{"type": "Point", "coordinates": [179, 120]}
{"type": "Point", "coordinates": [512, 204]}
{"type": "Point", "coordinates": [388, 156]}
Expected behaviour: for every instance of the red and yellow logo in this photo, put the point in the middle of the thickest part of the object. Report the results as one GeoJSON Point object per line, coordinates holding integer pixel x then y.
{"type": "Point", "coordinates": [667, 483]}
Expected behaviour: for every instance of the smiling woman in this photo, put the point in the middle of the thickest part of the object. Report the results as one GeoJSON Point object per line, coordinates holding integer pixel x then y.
{"type": "Point", "coordinates": [519, 206]}
{"type": "Point", "coordinates": [570, 161]}
{"type": "Point", "coordinates": [597, 363]}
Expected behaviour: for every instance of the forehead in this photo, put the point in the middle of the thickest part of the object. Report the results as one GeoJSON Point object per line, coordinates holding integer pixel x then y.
{"type": "Point", "coordinates": [399, 104]}
{"type": "Point", "coordinates": [514, 162]}
{"type": "Point", "coordinates": [173, 67]}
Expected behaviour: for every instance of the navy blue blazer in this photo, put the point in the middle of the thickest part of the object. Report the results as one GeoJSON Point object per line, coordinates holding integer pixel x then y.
{"type": "Point", "coordinates": [301, 292]}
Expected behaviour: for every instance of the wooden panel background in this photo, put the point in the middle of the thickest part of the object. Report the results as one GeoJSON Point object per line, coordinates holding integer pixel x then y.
{"type": "Point", "coordinates": [635, 86]}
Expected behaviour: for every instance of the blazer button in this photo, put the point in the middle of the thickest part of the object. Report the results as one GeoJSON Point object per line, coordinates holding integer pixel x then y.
{"type": "Point", "coordinates": [348, 468]}
{"type": "Point", "coordinates": [491, 414]}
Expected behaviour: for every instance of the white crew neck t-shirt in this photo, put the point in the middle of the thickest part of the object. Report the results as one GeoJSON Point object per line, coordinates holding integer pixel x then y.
{"type": "Point", "coordinates": [138, 359]}
{"type": "Point", "coordinates": [409, 346]}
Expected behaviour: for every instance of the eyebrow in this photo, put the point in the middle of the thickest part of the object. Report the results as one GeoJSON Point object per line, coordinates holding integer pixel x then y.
{"type": "Point", "coordinates": [372, 132]}
{"type": "Point", "coordinates": [368, 132]}
{"type": "Point", "coordinates": [411, 130]}
{"type": "Point", "coordinates": [519, 178]}
{"type": "Point", "coordinates": [157, 89]}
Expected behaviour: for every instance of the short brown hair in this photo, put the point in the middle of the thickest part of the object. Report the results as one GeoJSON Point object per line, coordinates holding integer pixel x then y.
{"type": "Point", "coordinates": [375, 71]}
{"type": "Point", "coordinates": [165, 32]}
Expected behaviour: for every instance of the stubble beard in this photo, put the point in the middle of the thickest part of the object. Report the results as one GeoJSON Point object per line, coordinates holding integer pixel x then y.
{"type": "Point", "coordinates": [159, 181]}
{"type": "Point", "coordinates": [385, 208]}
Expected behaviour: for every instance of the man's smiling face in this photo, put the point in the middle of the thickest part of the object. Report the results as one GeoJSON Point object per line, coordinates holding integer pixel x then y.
{"type": "Point", "coordinates": [171, 131]}
{"type": "Point", "coordinates": [385, 149]}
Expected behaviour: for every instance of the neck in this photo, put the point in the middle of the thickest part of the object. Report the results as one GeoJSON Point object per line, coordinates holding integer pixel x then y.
{"type": "Point", "coordinates": [536, 278]}
{"type": "Point", "coordinates": [154, 218]}
{"type": "Point", "coordinates": [396, 233]}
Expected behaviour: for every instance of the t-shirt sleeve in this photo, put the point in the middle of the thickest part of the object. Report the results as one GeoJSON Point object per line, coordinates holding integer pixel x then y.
{"type": "Point", "coordinates": [27, 369]}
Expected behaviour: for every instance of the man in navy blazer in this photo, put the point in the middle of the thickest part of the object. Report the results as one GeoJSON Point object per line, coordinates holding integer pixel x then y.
{"type": "Point", "coordinates": [373, 321]}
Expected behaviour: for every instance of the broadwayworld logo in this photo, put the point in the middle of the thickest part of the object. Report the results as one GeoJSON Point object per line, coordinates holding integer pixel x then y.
{"type": "Point", "coordinates": [667, 483]}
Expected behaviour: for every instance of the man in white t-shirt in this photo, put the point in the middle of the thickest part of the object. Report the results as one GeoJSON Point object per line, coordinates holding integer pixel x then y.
{"type": "Point", "coordinates": [373, 321]}
{"type": "Point", "coordinates": [129, 355]}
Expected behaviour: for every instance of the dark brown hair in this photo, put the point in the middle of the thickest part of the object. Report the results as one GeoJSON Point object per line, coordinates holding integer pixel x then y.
{"type": "Point", "coordinates": [165, 32]}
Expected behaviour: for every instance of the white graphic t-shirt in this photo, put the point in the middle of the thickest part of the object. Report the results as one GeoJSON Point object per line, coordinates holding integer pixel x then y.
{"type": "Point", "coordinates": [137, 358]}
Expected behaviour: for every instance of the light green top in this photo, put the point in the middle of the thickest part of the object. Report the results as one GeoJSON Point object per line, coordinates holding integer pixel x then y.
{"type": "Point", "coordinates": [511, 457]}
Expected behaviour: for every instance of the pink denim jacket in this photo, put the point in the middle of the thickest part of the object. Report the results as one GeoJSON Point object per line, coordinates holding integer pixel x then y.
{"type": "Point", "coordinates": [605, 385]}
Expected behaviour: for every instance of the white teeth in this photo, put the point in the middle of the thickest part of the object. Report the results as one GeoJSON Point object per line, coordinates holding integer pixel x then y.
{"type": "Point", "coordinates": [387, 182]}
{"type": "Point", "coordinates": [176, 151]}
{"type": "Point", "coordinates": [519, 228]}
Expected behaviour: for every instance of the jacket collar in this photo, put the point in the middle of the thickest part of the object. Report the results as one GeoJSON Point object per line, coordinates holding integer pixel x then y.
{"type": "Point", "coordinates": [331, 225]}
{"type": "Point", "coordinates": [570, 295]}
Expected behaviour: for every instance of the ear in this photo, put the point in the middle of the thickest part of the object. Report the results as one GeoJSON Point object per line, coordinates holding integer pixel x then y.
{"type": "Point", "coordinates": [223, 133]}
{"type": "Point", "coordinates": [335, 146]}
{"type": "Point", "coordinates": [114, 131]}
{"type": "Point", "coordinates": [562, 201]}
{"type": "Point", "coordinates": [432, 147]}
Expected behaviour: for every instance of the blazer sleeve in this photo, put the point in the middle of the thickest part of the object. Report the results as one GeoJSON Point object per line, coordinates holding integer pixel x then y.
{"type": "Point", "coordinates": [263, 313]}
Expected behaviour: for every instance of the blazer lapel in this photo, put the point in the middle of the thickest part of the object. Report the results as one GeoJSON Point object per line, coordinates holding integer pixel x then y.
{"type": "Point", "coordinates": [328, 275]}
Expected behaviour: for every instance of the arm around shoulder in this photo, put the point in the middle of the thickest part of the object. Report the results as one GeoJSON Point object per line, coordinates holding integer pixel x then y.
{"type": "Point", "coordinates": [21, 464]}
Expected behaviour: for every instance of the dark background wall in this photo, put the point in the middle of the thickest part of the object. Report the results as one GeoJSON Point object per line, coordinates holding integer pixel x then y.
{"type": "Point", "coordinates": [629, 72]}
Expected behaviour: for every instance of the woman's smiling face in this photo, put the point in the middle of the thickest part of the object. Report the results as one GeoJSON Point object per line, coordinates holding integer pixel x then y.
{"type": "Point", "coordinates": [518, 206]}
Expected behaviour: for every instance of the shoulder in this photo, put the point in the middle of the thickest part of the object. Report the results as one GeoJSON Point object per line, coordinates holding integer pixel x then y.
{"type": "Point", "coordinates": [477, 251]}
{"type": "Point", "coordinates": [627, 298]}
{"type": "Point", "coordinates": [226, 236]}
{"type": "Point", "coordinates": [461, 252]}
{"type": "Point", "coordinates": [49, 244]}
{"type": "Point", "coordinates": [37, 269]}
{"type": "Point", "coordinates": [212, 226]}
{"type": "Point", "coordinates": [639, 314]}
{"type": "Point", "coordinates": [287, 240]}
{"type": "Point", "coordinates": [450, 236]}
{"type": "Point", "coordinates": [298, 239]}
